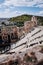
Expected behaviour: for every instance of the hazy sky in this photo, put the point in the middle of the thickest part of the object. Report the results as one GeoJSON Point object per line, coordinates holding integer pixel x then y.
{"type": "Point", "coordinates": [12, 8]}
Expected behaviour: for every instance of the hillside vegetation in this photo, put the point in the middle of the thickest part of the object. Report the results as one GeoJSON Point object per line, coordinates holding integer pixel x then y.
{"type": "Point", "coordinates": [21, 19]}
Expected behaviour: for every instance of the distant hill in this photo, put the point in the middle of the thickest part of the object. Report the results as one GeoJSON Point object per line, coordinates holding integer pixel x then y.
{"type": "Point", "coordinates": [23, 18]}
{"type": "Point", "coordinates": [19, 20]}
